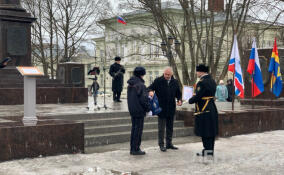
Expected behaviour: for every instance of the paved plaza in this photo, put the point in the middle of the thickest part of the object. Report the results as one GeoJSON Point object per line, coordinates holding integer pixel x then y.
{"type": "Point", "coordinates": [81, 108]}
{"type": "Point", "coordinates": [253, 154]}
{"type": "Point", "coordinates": [258, 153]}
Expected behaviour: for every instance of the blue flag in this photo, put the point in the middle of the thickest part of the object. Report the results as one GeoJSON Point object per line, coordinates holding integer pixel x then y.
{"type": "Point", "coordinates": [274, 68]}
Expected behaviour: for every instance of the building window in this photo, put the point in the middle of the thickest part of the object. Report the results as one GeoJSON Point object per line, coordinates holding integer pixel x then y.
{"type": "Point", "coordinates": [102, 80]}
{"type": "Point", "coordinates": [157, 50]}
{"type": "Point", "coordinates": [150, 48]}
{"type": "Point", "coordinates": [101, 54]}
{"type": "Point", "coordinates": [89, 67]}
{"type": "Point", "coordinates": [117, 47]}
{"type": "Point", "coordinates": [130, 73]}
{"type": "Point", "coordinates": [125, 52]}
{"type": "Point", "coordinates": [122, 50]}
{"type": "Point", "coordinates": [156, 74]}
{"type": "Point", "coordinates": [134, 46]}
{"type": "Point", "coordinates": [151, 79]}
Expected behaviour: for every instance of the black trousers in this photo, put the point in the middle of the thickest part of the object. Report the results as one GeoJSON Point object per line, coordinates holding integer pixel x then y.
{"type": "Point", "coordinates": [208, 144]}
{"type": "Point", "coordinates": [136, 133]}
{"type": "Point", "coordinates": [116, 95]}
{"type": "Point", "coordinates": [167, 123]}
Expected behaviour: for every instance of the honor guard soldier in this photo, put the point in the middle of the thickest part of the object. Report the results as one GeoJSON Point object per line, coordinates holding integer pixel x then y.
{"type": "Point", "coordinates": [116, 71]}
{"type": "Point", "coordinates": [206, 114]}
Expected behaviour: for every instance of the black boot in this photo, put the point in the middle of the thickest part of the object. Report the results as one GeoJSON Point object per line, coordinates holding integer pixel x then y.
{"type": "Point", "coordinates": [139, 152]}
{"type": "Point", "coordinates": [171, 146]}
{"type": "Point", "coordinates": [163, 149]}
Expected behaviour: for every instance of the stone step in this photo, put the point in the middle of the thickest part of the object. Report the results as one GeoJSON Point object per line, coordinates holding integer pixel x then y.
{"type": "Point", "coordinates": [89, 116]}
{"type": "Point", "coordinates": [124, 127]}
{"type": "Point", "coordinates": [114, 121]}
{"type": "Point", "coordinates": [120, 137]}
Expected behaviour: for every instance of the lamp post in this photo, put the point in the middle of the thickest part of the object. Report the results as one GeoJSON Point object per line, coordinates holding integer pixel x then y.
{"type": "Point", "coordinates": [167, 46]}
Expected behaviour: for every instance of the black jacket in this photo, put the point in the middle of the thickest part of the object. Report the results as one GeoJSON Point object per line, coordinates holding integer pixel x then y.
{"type": "Point", "coordinates": [167, 94]}
{"type": "Point", "coordinates": [137, 97]}
{"type": "Point", "coordinates": [117, 71]}
{"type": "Point", "coordinates": [230, 88]}
{"type": "Point", "coordinates": [206, 125]}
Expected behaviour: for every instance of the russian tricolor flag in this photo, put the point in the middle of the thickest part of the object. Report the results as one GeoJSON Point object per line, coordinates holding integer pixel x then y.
{"type": "Point", "coordinates": [121, 20]}
{"type": "Point", "coordinates": [255, 71]}
{"type": "Point", "coordinates": [235, 67]}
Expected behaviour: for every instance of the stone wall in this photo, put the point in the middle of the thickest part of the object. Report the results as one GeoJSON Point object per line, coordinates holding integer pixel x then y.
{"type": "Point", "coordinates": [242, 122]}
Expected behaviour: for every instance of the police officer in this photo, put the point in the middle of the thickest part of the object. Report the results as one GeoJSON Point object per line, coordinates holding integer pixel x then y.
{"type": "Point", "coordinates": [206, 115]}
{"type": "Point", "coordinates": [138, 105]}
{"type": "Point", "coordinates": [116, 71]}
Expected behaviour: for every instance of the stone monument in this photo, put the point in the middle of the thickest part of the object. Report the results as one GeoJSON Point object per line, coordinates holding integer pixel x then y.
{"type": "Point", "coordinates": [15, 32]}
{"type": "Point", "coordinates": [15, 42]}
{"type": "Point", "coordinates": [47, 136]}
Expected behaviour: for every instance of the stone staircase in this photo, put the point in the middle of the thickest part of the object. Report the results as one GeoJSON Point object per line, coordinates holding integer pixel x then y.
{"type": "Point", "coordinates": [114, 127]}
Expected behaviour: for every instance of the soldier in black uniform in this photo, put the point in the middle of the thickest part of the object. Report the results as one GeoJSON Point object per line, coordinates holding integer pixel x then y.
{"type": "Point", "coordinates": [138, 105]}
{"type": "Point", "coordinates": [116, 71]}
{"type": "Point", "coordinates": [206, 115]}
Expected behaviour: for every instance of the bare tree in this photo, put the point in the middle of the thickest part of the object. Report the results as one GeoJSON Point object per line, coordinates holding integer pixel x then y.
{"type": "Point", "coordinates": [60, 28]}
{"type": "Point", "coordinates": [203, 33]}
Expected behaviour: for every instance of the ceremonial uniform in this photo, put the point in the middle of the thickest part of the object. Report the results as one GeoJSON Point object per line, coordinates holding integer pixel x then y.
{"type": "Point", "coordinates": [206, 116]}
{"type": "Point", "coordinates": [116, 71]}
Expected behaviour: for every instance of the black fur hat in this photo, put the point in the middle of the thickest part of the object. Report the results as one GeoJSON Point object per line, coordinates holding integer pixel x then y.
{"type": "Point", "coordinates": [202, 68]}
{"type": "Point", "coordinates": [139, 71]}
{"type": "Point", "coordinates": [117, 59]}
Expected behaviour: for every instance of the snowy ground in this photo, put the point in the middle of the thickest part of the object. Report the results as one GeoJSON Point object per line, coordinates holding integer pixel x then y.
{"type": "Point", "coordinates": [260, 153]}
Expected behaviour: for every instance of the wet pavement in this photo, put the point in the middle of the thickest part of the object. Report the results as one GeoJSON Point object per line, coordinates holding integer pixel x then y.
{"type": "Point", "coordinates": [260, 153]}
{"type": "Point", "coordinates": [253, 154]}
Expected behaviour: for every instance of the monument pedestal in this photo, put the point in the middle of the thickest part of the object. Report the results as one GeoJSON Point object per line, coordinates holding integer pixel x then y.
{"type": "Point", "coordinates": [242, 121]}
{"type": "Point", "coordinates": [48, 137]}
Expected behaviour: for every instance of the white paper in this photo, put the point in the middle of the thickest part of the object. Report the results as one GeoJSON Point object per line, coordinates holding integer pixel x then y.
{"type": "Point", "coordinates": [187, 92]}
{"type": "Point", "coordinates": [30, 71]}
{"type": "Point", "coordinates": [149, 113]}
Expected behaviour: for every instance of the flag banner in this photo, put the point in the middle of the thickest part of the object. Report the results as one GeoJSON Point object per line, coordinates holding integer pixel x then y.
{"type": "Point", "coordinates": [235, 67]}
{"type": "Point", "coordinates": [121, 20]}
{"type": "Point", "coordinates": [255, 70]}
{"type": "Point", "coordinates": [274, 69]}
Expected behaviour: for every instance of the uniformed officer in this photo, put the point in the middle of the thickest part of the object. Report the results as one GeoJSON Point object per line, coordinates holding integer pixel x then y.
{"type": "Point", "coordinates": [116, 71]}
{"type": "Point", "coordinates": [206, 114]}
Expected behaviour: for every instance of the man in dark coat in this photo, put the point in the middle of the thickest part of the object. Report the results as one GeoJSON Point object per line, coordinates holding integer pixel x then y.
{"type": "Point", "coordinates": [206, 115]}
{"type": "Point", "coordinates": [138, 104]}
{"type": "Point", "coordinates": [230, 88]}
{"type": "Point", "coordinates": [167, 90]}
{"type": "Point", "coordinates": [116, 71]}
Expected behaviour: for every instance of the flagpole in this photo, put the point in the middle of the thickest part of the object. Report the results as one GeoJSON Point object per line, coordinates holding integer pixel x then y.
{"type": "Point", "coordinates": [271, 87]}
{"type": "Point", "coordinates": [252, 91]}
{"type": "Point", "coordinates": [233, 95]}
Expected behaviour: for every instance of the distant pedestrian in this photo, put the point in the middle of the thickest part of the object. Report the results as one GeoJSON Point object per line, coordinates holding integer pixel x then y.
{"type": "Point", "coordinates": [116, 71]}
{"type": "Point", "coordinates": [206, 114]}
{"type": "Point", "coordinates": [138, 104]}
{"type": "Point", "coordinates": [230, 88]}
{"type": "Point", "coordinates": [221, 92]}
{"type": "Point", "coordinates": [169, 94]}
{"type": "Point", "coordinates": [94, 90]}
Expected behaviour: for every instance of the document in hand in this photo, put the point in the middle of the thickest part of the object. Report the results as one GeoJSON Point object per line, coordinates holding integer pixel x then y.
{"type": "Point", "coordinates": [187, 92]}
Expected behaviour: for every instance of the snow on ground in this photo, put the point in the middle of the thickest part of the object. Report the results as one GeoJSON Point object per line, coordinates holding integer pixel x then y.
{"type": "Point", "coordinates": [259, 153]}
